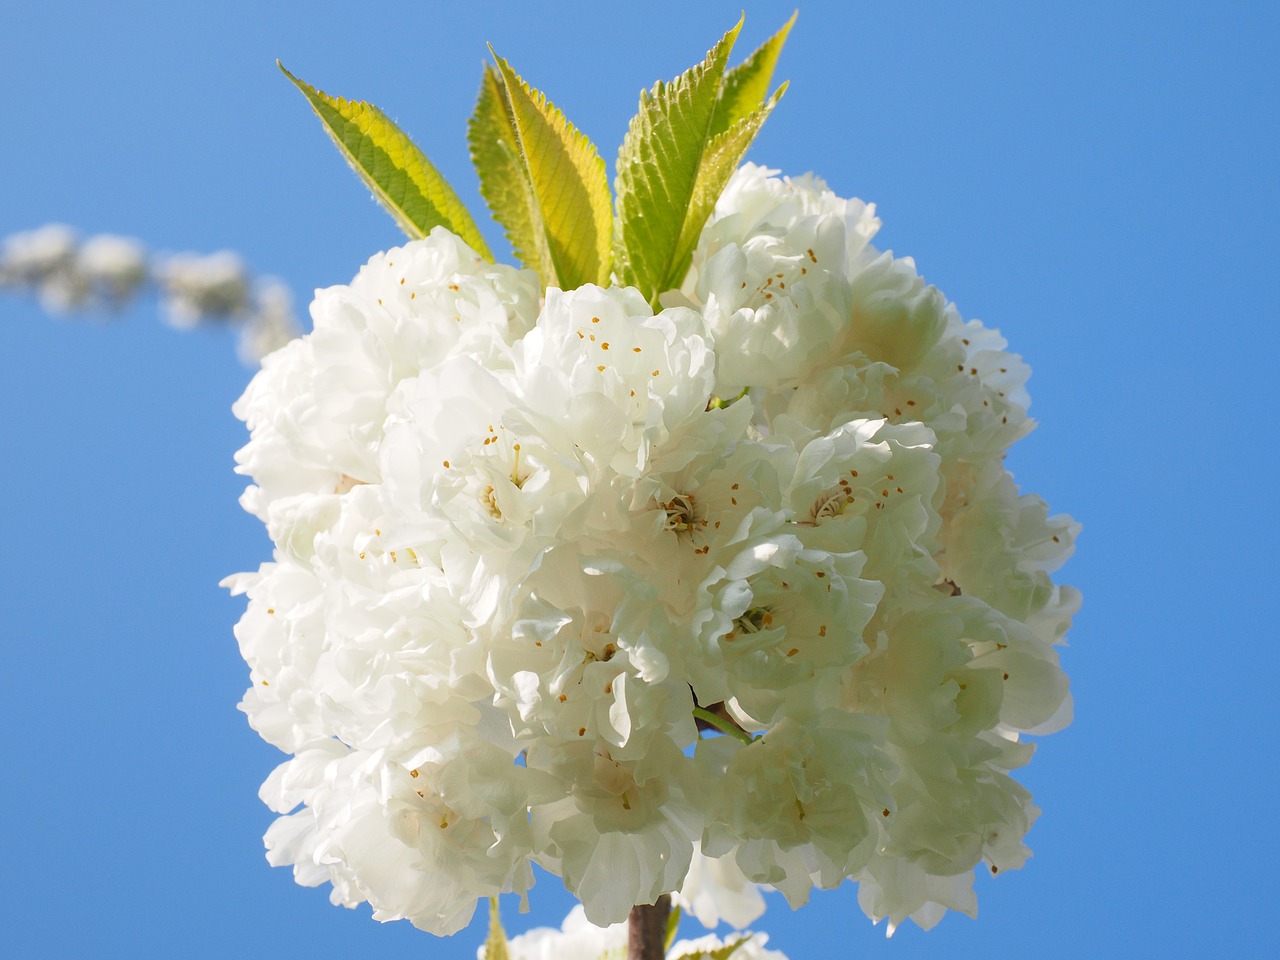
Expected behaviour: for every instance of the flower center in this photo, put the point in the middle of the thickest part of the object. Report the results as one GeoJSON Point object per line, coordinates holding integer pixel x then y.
{"type": "Point", "coordinates": [682, 515]}
{"type": "Point", "coordinates": [753, 621]}
{"type": "Point", "coordinates": [517, 475]}
{"type": "Point", "coordinates": [490, 501]}
{"type": "Point", "coordinates": [830, 504]}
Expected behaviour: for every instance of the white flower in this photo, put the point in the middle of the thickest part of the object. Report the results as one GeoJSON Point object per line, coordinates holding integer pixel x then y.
{"type": "Point", "coordinates": [201, 287]}
{"type": "Point", "coordinates": [771, 276]}
{"type": "Point", "coordinates": [103, 271]}
{"type": "Point", "coordinates": [115, 265]}
{"type": "Point", "coordinates": [800, 805]}
{"type": "Point", "coordinates": [44, 258]}
{"type": "Point", "coordinates": [270, 326]}
{"type": "Point", "coordinates": [374, 827]}
{"type": "Point", "coordinates": [1002, 546]}
{"type": "Point", "coordinates": [716, 889]}
{"type": "Point", "coordinates": [621, 835]}
{"type": "Point", "coordinates": [894, 316]}
{"type": "Point", "coordinates": [739, 592]}
{"type": "Point", "coordinates": [317, 408]}
{"type": "Point", "coordinates": [897, 889]}
{"type": "Point", "coordinates": [577, 939]}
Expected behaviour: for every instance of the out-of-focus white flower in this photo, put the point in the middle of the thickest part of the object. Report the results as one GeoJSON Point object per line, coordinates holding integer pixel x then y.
{"type": "Point", "coordinates": [117, 266]}
{"type": "Point", "coordinates": [271, 325]}
{"type": "Point", "coordinates": [737, 592]}
{"type": "Point", "coordinates": [577, 939]}
{"type": "Point", "coordinates": [44, 260]}
{"type": "Point", "coordinates": [715, 890]}
{"type": "Point", "coordinates": [199, 287]}
{"type": "Point", "coordinates": [67, 274]}
{"type": "Point", "coordinates": [106, 272]}
{"type": "Point", "coordinates": [32, 255]}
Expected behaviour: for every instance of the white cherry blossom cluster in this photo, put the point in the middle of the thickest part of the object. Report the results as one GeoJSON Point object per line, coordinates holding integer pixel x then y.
{"type": "Point", "coordinates": [562, 580]}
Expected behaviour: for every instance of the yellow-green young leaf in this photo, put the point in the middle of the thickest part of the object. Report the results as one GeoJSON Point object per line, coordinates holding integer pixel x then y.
{"type": "Point", "coordinates": [658, 168]}
{"type": "Point", "coordinates": [720, 953]}
{"type": "Point", "coordinates": [504, 181]}
{"type": "Point", "coordinates": [747, 84]}
{"type": "Point", "coordinates": [673, 926]}
{"type": "Point", "coordinates": [570, 189]}
{"type": "Point", "coordinates": [723, 155]}
{"type": "Point", "coordinates": [495, 945]}
{"type": "Point", "coordinates": [398, 173]}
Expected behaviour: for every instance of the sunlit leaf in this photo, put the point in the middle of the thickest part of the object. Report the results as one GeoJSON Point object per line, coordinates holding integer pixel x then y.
{"type": "Point", "coordinates": [399, 174]}
{"type": "Point", "coordinates": [504, 179]}
{"type": "Point", "coordinates": [720, 953]}
{"type": "Point", "coordinates": [495, 944]}
{"type": "Point", "coordinates": [673, 926]}
{"type": "Point", "coordinates": [721, 159]}
{"type": "Point", "coordinates": [658, 168]}
{"type": "Point", "coordinates": [569, 186]}
{"type": "Point", "coordinates": [747, 85]}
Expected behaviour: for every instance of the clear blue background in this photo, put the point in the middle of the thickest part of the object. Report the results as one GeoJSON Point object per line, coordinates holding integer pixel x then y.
{"type": "Point", "coordinates": [1097, 179]}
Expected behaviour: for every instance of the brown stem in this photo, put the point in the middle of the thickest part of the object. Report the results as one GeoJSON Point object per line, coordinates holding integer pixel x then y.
{"type": "Point", "coordinates": [647, 930]}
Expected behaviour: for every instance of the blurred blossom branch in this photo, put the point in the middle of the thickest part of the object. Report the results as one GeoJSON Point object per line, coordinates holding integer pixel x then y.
{"type": "Point", "coordinates": [107, 274]}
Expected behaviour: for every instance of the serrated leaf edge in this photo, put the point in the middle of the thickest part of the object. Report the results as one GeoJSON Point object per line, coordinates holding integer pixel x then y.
{"type": "Point", "coordinates": [451, 212]}
{"type": "Point", "coordinates": [719, 953]}
{"type": "Point", "coordinates": [585, 161]}
{"type": "Point", "coordinates": [631, 247]}
{"type": "Point", "coordinates": [747, 84]}
{"type": "Point", "coordinates": [713, 176]}
{"type": "Point", "coordinates": [519, 216]}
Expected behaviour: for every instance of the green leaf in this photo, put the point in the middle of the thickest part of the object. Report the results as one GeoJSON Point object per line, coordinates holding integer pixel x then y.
{"type": "Point", "coordinates": [399, 174]}
{"type": "Point", "coordinates": [673, 926]}
{"type": "Point", "coordinates": [721, 159]}
{"type": "Point", "coordinates": [504, 180]}
{"type": "Point", "coordinates": [747, 84]}
{"type": "Point", "coordinates": [570, 190]}
{"type": "Point", "coordinates": [658, 169]}
{"type": "Point", "coordinates": [495, 945]}
{"type": "Point", "coordinates": [720, 953]}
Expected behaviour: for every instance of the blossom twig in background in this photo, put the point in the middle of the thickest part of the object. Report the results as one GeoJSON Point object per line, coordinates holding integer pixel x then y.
{"type": "Point", "coordinates": [107, 274]}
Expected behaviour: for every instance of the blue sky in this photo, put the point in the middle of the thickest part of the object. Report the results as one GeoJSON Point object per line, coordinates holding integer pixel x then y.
{"type": "Point", "coordinates": [1097, 179]}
